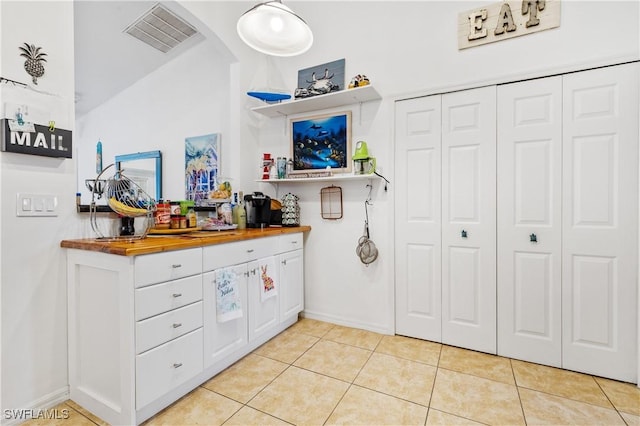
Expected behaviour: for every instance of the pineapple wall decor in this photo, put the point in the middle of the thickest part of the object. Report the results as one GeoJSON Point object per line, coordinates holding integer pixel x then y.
{"type": "Point", "coordinates": [35, 57]}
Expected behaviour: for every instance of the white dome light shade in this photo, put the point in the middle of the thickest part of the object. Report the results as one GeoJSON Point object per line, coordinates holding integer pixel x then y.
{"type": "Point", "coordinates": [272, 28]}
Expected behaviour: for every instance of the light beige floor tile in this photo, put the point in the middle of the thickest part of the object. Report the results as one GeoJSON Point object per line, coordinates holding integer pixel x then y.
{"type": "Point", "coordinates": [362, 406]}
{"type": "Point", "coordinates": [398, 377]}
{"type": "Point", "coordinates": [60, 415]}
{"type": "Point", "coordinates": [301, 397]}
{"type": "Point", "coordinates": [249, 416]}
{"type": "Point", "coordinates": [287, 346]}
{"type": "Point", "coordinates": [568, 384]}
{"type": "Point", "coordinates": [333, 359]}
{"type": "Point", "coordinates": [244, 379]}
{"type": "Point", "coordinates": [624, 396]}
{"type": "Point", "coordinates": [354, 337]}
{"type": "Point", "coordinates": [476, 398]}
{"type": "Point", "coordinates": [477, 364]}
{"type": "Point", "coordinates": [409, 348]}
{"type": "Point", "coordinates": [312, 327]}
{"type": "Point", "coordinates": [544, 409]}
{"type": "Point", "coordinates": [631, 419]}
{"type": "Point", "coordinates": [438, 418]}
{"type": "Point", "coordinates": [200, 407]}
{"type": "Point", "coordinates": [86, 413]}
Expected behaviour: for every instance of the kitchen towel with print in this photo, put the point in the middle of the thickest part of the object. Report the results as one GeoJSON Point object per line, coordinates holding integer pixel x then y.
{"type": "Point", "coordinates": [228, 304]}
{"type": "Point", "coordinates": [268, 286]}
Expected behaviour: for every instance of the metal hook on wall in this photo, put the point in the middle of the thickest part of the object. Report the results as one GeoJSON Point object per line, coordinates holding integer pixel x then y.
{"type": "Point", "coordinates": [368, 200]}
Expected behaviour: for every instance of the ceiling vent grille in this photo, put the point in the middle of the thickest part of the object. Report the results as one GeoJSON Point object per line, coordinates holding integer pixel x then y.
{"type": "Point", "coordinates": [161, 29]}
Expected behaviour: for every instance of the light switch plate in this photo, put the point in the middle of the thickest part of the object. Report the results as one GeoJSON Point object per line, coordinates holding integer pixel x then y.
{"type": "Point", "coordinates": [29, 205]}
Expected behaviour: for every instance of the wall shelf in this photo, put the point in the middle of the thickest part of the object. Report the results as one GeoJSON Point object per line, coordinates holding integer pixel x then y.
{"type": "Point", "coordinates": [343, 177]}
{"type": "Point", "coordinates": [344, 97]}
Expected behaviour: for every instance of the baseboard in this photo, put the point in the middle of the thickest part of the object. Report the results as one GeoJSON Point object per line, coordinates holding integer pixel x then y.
{"type": "Point", "coordinates": [40, 408]}
{"type": "Point", "coordinates": [346, 322]}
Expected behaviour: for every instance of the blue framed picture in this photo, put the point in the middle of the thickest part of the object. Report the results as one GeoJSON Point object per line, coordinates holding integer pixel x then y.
{"type": "Point", "coordinates": [321, 142]}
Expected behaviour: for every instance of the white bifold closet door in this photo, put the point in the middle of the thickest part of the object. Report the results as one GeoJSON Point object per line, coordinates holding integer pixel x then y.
{"type": "Point", "coordinates": [469, 219]}
{"type": "Point", "coordinates": [417, 224]}
{"type": "Point", "coordinates": [529, 220]}
{"type": "Point", "coordinates": [600, 221]}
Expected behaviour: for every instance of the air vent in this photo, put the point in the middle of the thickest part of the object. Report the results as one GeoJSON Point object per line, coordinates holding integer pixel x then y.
{"type": "Point", "coordinates": [161, 29]}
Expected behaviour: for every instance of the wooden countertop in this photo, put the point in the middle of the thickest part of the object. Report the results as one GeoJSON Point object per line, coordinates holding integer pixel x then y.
{"type": "Point", "coordinates": [160, 243]}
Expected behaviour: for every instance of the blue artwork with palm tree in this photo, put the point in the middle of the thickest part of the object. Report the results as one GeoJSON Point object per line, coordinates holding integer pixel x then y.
{"type": "Point", "coordinates": [202, 161]}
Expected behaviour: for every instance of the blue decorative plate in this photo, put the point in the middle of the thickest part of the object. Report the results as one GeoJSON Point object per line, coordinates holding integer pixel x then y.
{"type": "Point", "coordinates": [269, 97]}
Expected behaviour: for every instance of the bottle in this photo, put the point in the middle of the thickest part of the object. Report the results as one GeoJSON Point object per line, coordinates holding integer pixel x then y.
{"type": "Point", "coordinates": [242, 214]}
{"type": "Point", "coordinates": [99, 157]}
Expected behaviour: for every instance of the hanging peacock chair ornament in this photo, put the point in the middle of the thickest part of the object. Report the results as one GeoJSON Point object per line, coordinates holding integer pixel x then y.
{"type": "Point", "coordinates": [35, 57]}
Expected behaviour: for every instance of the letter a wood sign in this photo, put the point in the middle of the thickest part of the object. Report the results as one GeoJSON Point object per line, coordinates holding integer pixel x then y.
{"type": "Point", "coordinates": [508, 19]}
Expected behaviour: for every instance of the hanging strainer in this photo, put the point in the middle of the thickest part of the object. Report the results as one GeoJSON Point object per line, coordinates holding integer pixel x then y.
{"type": "Point", "coordinates": [366, 250]}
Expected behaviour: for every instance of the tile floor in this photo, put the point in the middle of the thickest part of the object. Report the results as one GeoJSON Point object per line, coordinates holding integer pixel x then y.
{"type": "Point", "coordinates": [317, 373]}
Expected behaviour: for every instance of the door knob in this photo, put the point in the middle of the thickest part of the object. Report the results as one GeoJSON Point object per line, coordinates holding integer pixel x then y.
{"type": "Point", "coordinates": [463, 234]}
{"type": "Point", "coordinates": [533, 238]}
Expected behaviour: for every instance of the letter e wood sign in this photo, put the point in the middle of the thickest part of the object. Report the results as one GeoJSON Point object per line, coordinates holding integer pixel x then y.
{"type": "Point", "coordinates": [501, 21]}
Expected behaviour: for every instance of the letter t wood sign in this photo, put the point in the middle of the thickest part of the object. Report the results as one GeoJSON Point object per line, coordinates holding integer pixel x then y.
{"type": "Point", "coordinates": [500, 21]}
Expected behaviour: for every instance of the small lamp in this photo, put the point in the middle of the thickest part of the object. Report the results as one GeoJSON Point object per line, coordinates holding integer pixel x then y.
{"type": "Point", "coordinates": [274, 29]}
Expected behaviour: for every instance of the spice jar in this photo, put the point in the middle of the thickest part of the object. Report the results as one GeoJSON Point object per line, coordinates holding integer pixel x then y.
{"type": "Point", "coordinates": [175, 221]}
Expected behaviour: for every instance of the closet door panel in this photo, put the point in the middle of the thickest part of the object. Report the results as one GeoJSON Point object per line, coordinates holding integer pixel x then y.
{"type": "Point", "coordinates": [600, 221]}
{"type": "Point", "coordinates": [529, 220]}
{"type": "Point", "coordinates": [417, 232]}
{"type": "Point", "coordinates": [469, 219]}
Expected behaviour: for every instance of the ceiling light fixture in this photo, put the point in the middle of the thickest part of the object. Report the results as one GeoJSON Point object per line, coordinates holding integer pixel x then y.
{"type": "Point", "coordinates": [274, 29]}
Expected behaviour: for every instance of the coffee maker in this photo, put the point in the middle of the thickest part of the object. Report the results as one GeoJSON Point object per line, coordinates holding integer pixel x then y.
{"type": "Point", "coordinates": [258, 208]}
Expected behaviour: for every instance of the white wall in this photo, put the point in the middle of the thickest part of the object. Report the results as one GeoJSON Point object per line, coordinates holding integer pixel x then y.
{"type": "Point", "coordinates": [33, 268]}
{"type": "Point", "coordinates": [189, 96]}
{"type": "Point", "coordinates": [406, 49]}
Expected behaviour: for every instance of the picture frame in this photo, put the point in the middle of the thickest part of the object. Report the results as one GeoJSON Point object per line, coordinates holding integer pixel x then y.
{"type": "Point", "coordinates": [201, 165]}
{"type": "Point", "coordinates": [321, 143]}
{"type": "Point", "coordinates": [320, 79]}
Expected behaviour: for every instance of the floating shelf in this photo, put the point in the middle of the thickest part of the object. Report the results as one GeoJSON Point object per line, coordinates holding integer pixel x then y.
{"type": "Point", "coordinates": [330, 100]}
{"type": "Point", "coordinates": [321, 179]}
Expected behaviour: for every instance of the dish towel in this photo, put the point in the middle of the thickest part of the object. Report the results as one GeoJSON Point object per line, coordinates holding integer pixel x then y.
{"type": "Point", "coordinates": [268, 287]}
{"type": "Point", "coordinates": [228, 304]}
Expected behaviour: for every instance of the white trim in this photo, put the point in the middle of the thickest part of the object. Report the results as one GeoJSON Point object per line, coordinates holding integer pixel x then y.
{"type": "Point", "coordinates": [345, 322]}
{"type": "Point", "coordinates": [510, 78]}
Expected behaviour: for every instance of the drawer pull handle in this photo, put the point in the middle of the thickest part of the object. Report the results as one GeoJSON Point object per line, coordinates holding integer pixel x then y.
{"type": "Point", "coordinates": [463, 234]}
{"type": "Point", "coordinates": [177, 294]}
{"type": "Point", "coordinates": [176, 325]}
{"type": "Point", "coordinates": [176, 265]}
{"type": "Point", "coordinates": [250, 251]}
{"type": "Point", "coordinates": [284, 262]}
{"type": "Point", "coordinates": [246, 274]}
{"type": "Point", "coordinates": [294, 242]}
{"type": "Point", "coordinates": [533, 238]}
{"type": "Point", "coordinates": [253, 271]}
{"type": "Point", "coordinates": [177, 364]}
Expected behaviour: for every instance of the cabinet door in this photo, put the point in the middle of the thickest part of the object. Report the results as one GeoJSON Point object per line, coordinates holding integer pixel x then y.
{"type": "Point", "coordinates": [529, 220]}
{"type": "Point", "coordinates": [223, 338]}
{"type": "Point", "coordinates": [291, 284]}
{"type": "Point", "coordinates": [417, 216]}
{"type": "Point", "coordinates": [469, 219]}
{"type": "Point", "coordinates": [263, 312]}
{"type": "Point", "coordinates": [600, 221]}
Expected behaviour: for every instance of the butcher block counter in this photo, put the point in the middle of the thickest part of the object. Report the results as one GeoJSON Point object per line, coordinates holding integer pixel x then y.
{"type": "Point", "coordinates": [160, 243]}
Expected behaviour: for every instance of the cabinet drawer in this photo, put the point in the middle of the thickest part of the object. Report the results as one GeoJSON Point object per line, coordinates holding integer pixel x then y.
{"type": "Point", "coordinates": [160, 370]}
{"type": "Point", "coordinates": [219, 256]}
{"type": "Point", "coordinates": [160, 329]}
{"type": "Point", "coordinates": [159, 298]}
{"type": "Point", "coordinates": [160, 267]}
{"type": "Point", "coordinates": [289, 242]}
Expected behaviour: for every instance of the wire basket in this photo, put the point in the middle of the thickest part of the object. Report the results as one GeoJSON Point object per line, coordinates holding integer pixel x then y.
{"type": "Point", "coordinates": [127, 199]}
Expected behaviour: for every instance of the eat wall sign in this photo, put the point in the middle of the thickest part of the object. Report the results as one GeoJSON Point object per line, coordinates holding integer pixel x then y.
{"type": "Point", "coordinates": [504, 20]}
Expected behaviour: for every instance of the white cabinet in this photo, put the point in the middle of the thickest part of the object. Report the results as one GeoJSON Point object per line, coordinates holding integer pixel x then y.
{"type": "Point", "coordinates": [566, 257]}
{"type": "Point", "coordinates": [143, 329]}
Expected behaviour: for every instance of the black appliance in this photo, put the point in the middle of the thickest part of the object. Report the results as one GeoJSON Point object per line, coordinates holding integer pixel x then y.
{"type": "Point", "coordinates": [258, 208]}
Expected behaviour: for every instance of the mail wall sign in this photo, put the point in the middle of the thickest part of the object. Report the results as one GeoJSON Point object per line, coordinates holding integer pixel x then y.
{"type": "Point", "coordinates": [504, 20]}
{"type": "Point", "coordinates": [35, 139]}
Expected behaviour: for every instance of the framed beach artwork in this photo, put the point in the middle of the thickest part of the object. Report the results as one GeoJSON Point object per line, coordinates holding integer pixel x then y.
{"type": "Point", "coordinates": [201, 165]}
{"type": "Point", "coordinates": [321, 142]}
